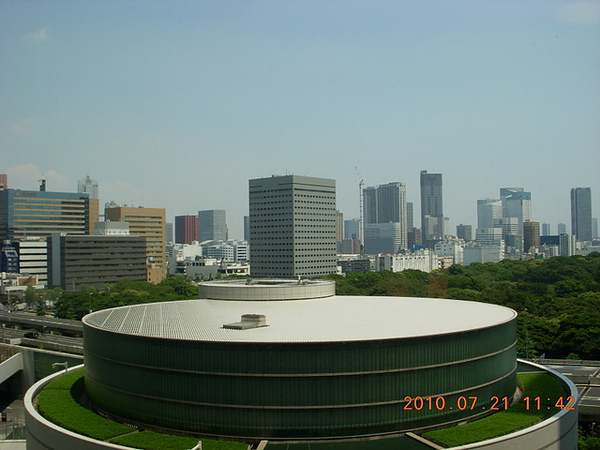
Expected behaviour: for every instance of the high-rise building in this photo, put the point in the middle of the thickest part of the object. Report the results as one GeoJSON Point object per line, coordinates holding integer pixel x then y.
{"type": "Point", "coordinates": [561, 228]}
{"type": "Point", "coordinates": [545, 229]}
{"type": "Point", "coordinates": [516, 202]}
{"type": "Point", "coordinates": [186, 229]}
{"type": "Point", "coordinates": [531, 236]}
{"type": "Point", "coordinates": [432, 206]}
{"type": "Point", "coordinates": [352, 229]}
{"type": "Point", "coordinates": [88, 186]}
{"type": "Point", "coordinates": [292, 226]}
{"type": "Point", "coordinates": [149, 223]}
{"type": "Point", "coordinates": [464, 232]}
{"type": "Point", "coordinates": [581, 213]}
{"type": "Point", "coordinates": [41, 213]}
{"type": "Point", "coordinates": [489, 213]}
{"type": "Point", "coordinates": [594, 228]}
{"type": "Point", "coordinates": [339, 226]}
{"type": "Point", "coordinates": [3, 181]}
{"type": "Point", "coordinates": [212, 225]}
{"type": "Point", "coordinates": [385, 218]}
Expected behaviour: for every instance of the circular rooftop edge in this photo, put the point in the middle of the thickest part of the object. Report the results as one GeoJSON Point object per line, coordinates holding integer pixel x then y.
{"type": "Point", "coordinates": [266, 289]}
{"type": "Point", "coordinates": [556, 432]}
{"type": "Point", "coordinates": [330, 319]}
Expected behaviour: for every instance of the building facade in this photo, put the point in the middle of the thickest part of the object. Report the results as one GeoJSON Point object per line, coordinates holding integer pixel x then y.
{"type": "Point", "coordinates": [531, 236]}
{"type": "Point", "coordinates": [75, 262]}
{"type": "Point", "coordinates": [186, 229]}
{"type": "Point", "coordinates": [385, 218]}
{"type": "Point", "coordinates": [292, 226]}
{"type": "Point", "coordinates": [581, 213]}
{"type": "Point", "coordinates": [25, 214]}
{"type": "Point", "coordinates": [432, 206]}
{"type": "Point", "coordinates": [150, 224]}
{"type": "Point", "coordinates": [212, 225]}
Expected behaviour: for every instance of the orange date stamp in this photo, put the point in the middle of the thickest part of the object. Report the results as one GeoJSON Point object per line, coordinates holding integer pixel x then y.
{"type": "Point", "coordinates": [494, 403]}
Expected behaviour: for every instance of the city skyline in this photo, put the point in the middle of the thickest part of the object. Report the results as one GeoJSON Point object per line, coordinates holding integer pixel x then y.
{"type": "Point", "coordinates": [151, 99]}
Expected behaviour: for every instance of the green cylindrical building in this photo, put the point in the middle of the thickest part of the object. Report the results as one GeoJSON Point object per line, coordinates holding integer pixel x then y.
{"type": "Point", "coordinates": [318, 366]}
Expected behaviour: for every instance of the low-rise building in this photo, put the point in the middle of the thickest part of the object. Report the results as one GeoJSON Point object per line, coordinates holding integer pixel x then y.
{"type": "Point", "coordinates": [423, 260]}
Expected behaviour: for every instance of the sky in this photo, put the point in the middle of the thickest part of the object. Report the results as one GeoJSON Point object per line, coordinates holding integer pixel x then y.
{"type": "Point", "coordinates": [177, 104]}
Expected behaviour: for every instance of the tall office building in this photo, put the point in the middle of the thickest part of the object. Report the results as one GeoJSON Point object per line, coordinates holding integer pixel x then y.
{"type": "Point", "coordinates": [41, 213]}
{"type": "Point", "coordinates": [531, 236]}
{"type": "Point", "coordinates": [385, 218]}
{"type": "Point", "coordinates": [561, 228]}
{"type": "Point", "coordinates": [88, 186]}
{"type": "Point", "coordinates": [464, 232]}
{"type": "Point", "coordinates": [292, 226]}
{"type": "Point", "coordinates": [489, 213]}
{"type": "Point", "coordinates": [186, 229]}
{"type": "Point", "coordinates": [212, 225]}
{"type": "Point", "coordinates": [516, 202]}
{"type": "Point", "coordinates": [581, 213]}
{"type": "Point", "coordinates": [3, 181]}
{"type": "Point", "coordinates": [432, 206]}
{"type": "Point", "coordinates": [151, 224]}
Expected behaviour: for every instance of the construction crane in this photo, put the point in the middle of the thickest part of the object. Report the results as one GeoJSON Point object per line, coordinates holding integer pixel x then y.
{"type": "Point", "coordinates": [361, 226]}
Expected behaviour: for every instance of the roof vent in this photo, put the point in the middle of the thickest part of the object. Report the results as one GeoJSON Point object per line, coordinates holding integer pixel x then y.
{"type": "Point", "coordinates": [248, 321]}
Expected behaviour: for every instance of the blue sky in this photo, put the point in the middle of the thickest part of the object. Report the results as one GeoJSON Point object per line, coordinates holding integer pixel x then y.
{"type": "Point", "coordinates": [177, 104]}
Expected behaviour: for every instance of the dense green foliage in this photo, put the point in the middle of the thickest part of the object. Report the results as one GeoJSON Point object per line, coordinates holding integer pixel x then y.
{"type": "Point", "coordinates": [558, 299]}
{"type": "Point", "coordinates": [513, 419]}
{"type": "Point", "coordinates": [75, 305]}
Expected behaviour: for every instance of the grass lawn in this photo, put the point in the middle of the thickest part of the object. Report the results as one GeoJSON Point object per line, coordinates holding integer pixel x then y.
{"type": "Point", "coordinates": [514, 418]}
{"type": "Point", "coordinates": [58, 402]}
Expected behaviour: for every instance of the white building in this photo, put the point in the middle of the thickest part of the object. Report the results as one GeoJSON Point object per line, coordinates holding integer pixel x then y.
{"type": "Point", "coordinates": [111, 228]}
{"type": "Point", "coordinates": [423, 260]}
{"type": "Point", "coordinates": [482, 253]}
{"type": "Point", "coordinates": [453, 249]}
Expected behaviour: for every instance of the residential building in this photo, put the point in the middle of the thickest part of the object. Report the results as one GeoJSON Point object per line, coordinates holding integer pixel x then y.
{"type": "Point", "coordinates": [41, 213]}
{"type": "Point", "coordinates": [432, 206]}
{"type": "Point", "coordinates": [545, 229]}
{"type": "Point", "coordinates": [150, 224]}
{"type": "Point", "coordinates": [186, 229]}
{"type": "Point", "coordinates": [581, 213]}
{"type": "Point", "coordinates": [212, 225]}
{"type": "Point", "coordinates": [292, 226]}
{"type": "Point", "coordinates": [76, 262]}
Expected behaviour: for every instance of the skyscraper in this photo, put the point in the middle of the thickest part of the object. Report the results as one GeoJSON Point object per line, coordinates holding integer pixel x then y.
{"type": "Point", "coordinates": [151, 224]}
{"type": "Point", "coordinates": [581, 213]}
{"type": "Point", "coordinates": [432, 206]}
{"type": "Point", "coordinates": [186, 229]}
{"type": "Point", "coordinates": [531, 236]}
{"type": "Point", "coordinates": [88, 186]}
{"type": "Point", "coordinates": [292, 226]}
{"type": "Point", "coordinates": [385, 218]}
{"type": "Point", "coordinates": [212, 225]}
{"type": "Point", "coordinates": [489, 213]}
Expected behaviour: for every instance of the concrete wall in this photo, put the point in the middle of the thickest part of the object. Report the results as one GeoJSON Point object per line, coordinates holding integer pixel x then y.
{"type": "Point", "coordinates": [266, 290]}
